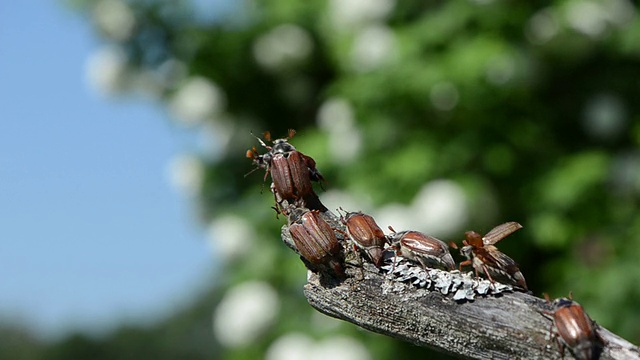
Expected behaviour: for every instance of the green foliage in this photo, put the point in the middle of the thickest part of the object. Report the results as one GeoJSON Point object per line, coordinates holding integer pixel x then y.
{"type": "Point", "coordinates": [531, 110]}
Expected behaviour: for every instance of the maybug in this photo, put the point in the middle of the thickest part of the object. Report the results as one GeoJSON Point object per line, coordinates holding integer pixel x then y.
{"type": "Point", "coordinates": [315, 241]}
{"type": "Point", "coordinates": [281, 146]}
{"type": "Point", "coordinates": [486, 258]}
{"type": "Point", "coordinates": [423, 248]}
{"type": "Point", "coordinates": [290, 176]}
{"type": "Point", "coordinates": [291, 172]}
{"type": "Point", "coordinates": [366, 235]}
{"type": "Point", "coordinates": [574, 329]}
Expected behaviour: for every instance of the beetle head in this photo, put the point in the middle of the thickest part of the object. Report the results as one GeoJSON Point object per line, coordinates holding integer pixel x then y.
{"type": "Point", "coordinates": [393, 239]}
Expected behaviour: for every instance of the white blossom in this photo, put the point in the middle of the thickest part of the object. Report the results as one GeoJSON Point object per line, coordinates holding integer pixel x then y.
{"type": "Point", "coordinates": [340, 348]}
{"type": "Point", "coordinates": [336, 117]}
{"type": "Point", "coordinates": [350, 14]}
{"type": "Point", "coordinates": [114, 18]}
{"type": "Point", "coordinates": [186, 173]}
{"type": "Point", "coordinates": [106, 70]}
{"type": "Point", "coordinates": [245, 313]}
{"type": "Point", "coordinates": [292, 346]}
{"type": "Point", "coordinates": [297, 346]}
{"type": "Point", "coordinates": [542, 27]}
{"type": "Point", "coordinates": [619, 12]}
{"type": "Point", "coordinates": [587, 17]}
{"type": "Point", "coordinates": [197, 100]}
{"type": "Point", "coordinates": [400, 217]}
{"type": "Point", "coordinates": [283, 46]}
{"type": "Point", "coordinates": [441, 206]}
{"type": "Point", "coordinates": [333, 199]}
{"type": "Point", "coordinates": [231, 236]}
{"type": "Point", "coordinates": [372, 47]}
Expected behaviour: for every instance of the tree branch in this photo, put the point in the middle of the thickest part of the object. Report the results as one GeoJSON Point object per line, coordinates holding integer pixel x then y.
{"type": "Point", "coordinates": [508, 325]}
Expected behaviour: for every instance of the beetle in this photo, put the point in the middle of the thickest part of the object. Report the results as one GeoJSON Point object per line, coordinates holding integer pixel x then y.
{"type": "Point", "coordinates": [282, 146]}
{"type": "Point", "coordinates": [423, 248]}
{"type": "Point", "coordinates": [366, 235]}
{"type": "Point", "coordinates": [486, 258]}
{"type": "Point", "coordinates": [290, 176]}
{"type": "Point", "coordinates": [316, 242]}
{"type": "Point", "coordinates": [291, 172]}
{"type": "Point", "coordinates": [574, 329]}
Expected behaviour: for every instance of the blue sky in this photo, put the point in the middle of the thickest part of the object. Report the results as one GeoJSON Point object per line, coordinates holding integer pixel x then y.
{"type": "Point", "coordinates": [91, 231]}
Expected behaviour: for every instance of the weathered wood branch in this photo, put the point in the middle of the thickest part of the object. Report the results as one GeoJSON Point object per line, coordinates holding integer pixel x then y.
{"type": "Point", "coordinates": [510, 325]}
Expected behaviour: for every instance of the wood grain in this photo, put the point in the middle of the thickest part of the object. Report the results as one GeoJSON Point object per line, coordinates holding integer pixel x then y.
{"type": "Point", "coordinates": [505, 326]}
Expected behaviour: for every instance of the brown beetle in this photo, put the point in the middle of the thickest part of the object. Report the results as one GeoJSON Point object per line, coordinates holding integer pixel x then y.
{"type": "Point", "coordinates": [425, 249]}
{"type": "Point", "coordinates": [574, 329]}
{"type": "Point", "coordinates": [316, 242]}
{"type": "Point", "coordinates": [486, 258]}
{"type": "Point", "coordinates": [290, 176]}
{"type": "Point", "coordinates": [366, 235]}
{"type": "Point", "coordinates": [291, 172]}
{"type": "Point", "coordinates": [281, 146]}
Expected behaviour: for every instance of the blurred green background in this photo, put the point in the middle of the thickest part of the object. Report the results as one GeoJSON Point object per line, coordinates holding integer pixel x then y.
{"type": "Point", "coordinates": [440, 116]}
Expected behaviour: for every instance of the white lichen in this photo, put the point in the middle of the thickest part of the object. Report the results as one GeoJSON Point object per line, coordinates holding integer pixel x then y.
{"type": "Point", "coordinates": [463, 286]}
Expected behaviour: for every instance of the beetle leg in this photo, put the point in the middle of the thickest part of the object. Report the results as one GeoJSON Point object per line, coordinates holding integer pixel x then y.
{"type": "Point", "coordinates": [357, 254]}
{"type": "Point", "coordinates": [359, 258]}
{"type": "Point", "coordinates": [486, 271]}
{"type": "Point", "coordinates": [344, 233]}
{"type": "Point", "coordinates": [465, 263]}
{"type": "Point", "coordinates": [395, 259]}
{"type": "Point", "coordinates": [554, 337]}
{"type": "Point", "coordinates": [560, 346]}
{"type": "Point", "coordinates": [423, 264]}
{"type": "Point", "coordinates": [266, 174]}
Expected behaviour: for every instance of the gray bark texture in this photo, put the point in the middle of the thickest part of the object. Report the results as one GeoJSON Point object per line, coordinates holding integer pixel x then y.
{"type": "Point", "coordinates": [508, 325]}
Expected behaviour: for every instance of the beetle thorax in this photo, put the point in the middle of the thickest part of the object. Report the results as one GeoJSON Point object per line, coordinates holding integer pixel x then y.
{"type": "Point", "coordinates": [562, 302]}
{"type": "Point", "coordinates": [282, 146]}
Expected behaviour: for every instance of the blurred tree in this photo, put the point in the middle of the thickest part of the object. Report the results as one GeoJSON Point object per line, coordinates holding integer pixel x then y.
{"type": "Point", "coordinates": [439, 116]}
{"type": "Point", "coordinates": [184, 335]}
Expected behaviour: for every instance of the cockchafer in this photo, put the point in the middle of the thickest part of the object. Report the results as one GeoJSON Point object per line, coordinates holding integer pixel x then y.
{"type": "Point", "coordinates": [423, 248]}
{"type": "Point", "coordinates": [316, 242]}
{"type": "Point", "coordinates": [486, 258]}
{"type": "Point", "coordinates": [365, 234]}
{"type": "Point", "coordinates": [572, 328]}
{"type": "Point", "coordinates": [281, 146]}
{"type": "Point", "coordinates": [290, 176]}
{"type": "Point", "coordinates": [291, 172]}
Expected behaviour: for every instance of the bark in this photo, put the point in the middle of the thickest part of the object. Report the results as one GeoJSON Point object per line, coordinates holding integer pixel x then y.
{"type": "Point", "coordinates": [509, 325]}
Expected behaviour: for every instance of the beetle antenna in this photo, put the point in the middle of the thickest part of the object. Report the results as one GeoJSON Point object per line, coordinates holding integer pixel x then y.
{"type": "Point", "coordinates": [261, 141]}
{"type": "Point", "coordinates": [251, 172]}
